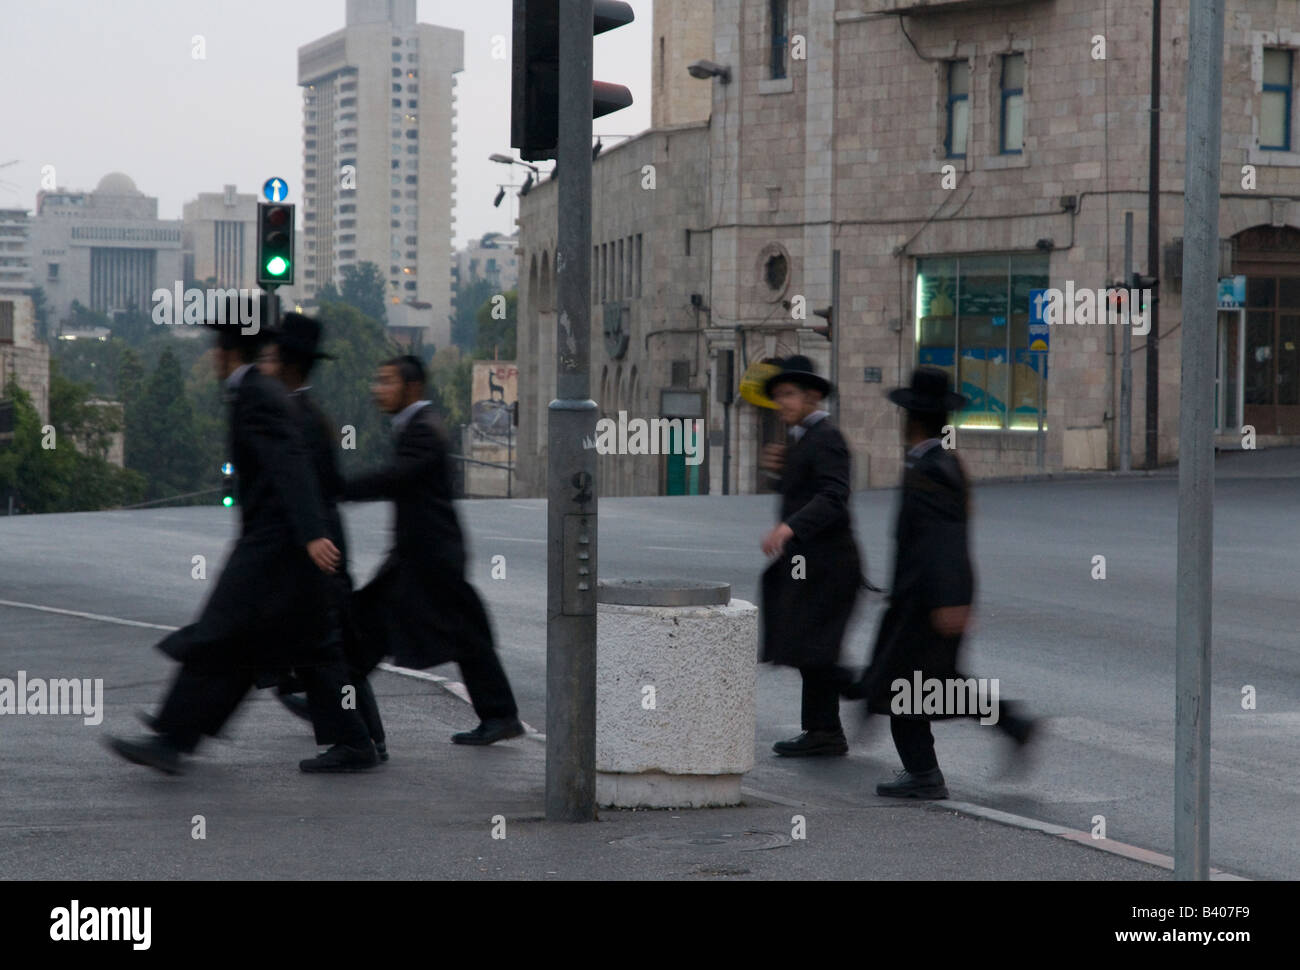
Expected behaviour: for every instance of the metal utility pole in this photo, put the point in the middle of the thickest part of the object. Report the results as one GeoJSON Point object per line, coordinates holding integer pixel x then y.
{"type": "Point", "coordinates": [836, 327]}
{"type": "Point", "coordinates": [1153, 248]}
{"type": "Point", "coordinates": [571, 478]}
{"type": "Point", "coordinates": [1196, 441]}
{"type": "Point", "coordinates": [1126, 359]}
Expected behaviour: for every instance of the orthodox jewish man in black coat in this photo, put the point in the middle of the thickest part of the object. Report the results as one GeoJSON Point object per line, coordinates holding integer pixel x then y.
{"type": "Point", "coordinates": [931, 595]}
{"type": "Point", "coordinates": [419, 608]}
{"type": "Point", "coordinates": [290, 356]}
{"type": "Point", "coordinates": [809, 589]}
{"type": "Point", "coordinates": [269, 609]}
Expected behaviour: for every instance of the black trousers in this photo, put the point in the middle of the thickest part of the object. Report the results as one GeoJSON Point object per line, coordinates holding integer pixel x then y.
{"type": "Point", "coordinates": [489, 690]}
{"type": "Point", "coordinates": [820, 701]}
{"type": "Point", "coordinates": [915, 741]}
{"type": "Point", "coordinates": [203, 697]}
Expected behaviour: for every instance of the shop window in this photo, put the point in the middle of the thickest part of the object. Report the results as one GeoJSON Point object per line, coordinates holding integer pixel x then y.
{"type": "Point", "coordinates": [972, 320]}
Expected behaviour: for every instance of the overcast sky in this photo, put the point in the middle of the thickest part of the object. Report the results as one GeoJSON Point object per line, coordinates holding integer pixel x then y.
{"type": "Point", "coordinates": [97, 86]}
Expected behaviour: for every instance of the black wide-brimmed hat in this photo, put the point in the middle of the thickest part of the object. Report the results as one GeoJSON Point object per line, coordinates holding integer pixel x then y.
{"type": "Point", "coordinates": [300, 335]}
{"type": "Point", "coordinates": [798, 370]}
{"type": "Point", "coordinates": [228, 326]}
{"type": "Point", "coordinates": [930, 392]}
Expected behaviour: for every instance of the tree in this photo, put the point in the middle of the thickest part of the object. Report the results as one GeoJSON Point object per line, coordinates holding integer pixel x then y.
{"type": "Point", "coordinates": [41, 313]}
{"type": "Point", "coordinates": [497, 327]}
{"type": "Point", "coordinates": [363, 289]}
{"type": "Point", "coordinates": [451, 376]}
{"type": "Point", "coordinates": [359, 344]}
{"type": "Point", "coordinates": [164, 448]}
{"type": "Point", "coordinates": [59, 478]}
{"type": "Point", "coordinates": [469, 298]}
{"type": "Point", "coordinates": [73, 414]}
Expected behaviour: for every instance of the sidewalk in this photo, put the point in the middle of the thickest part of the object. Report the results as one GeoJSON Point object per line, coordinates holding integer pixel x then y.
{"type": "Point", "coordinates": [431, 811]}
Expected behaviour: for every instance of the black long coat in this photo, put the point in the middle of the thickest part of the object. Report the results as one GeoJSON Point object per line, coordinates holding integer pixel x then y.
{"type": "Point", "coordinates": [266, 609]}
{"type": "Point", "coordinates": [419, 608]}
{"type": "Point", "coordinates": [319, 439]}
{"type": "Point", "coordinates": [932, 569]}
{"type": "Point", "coordinates": [804, 619]}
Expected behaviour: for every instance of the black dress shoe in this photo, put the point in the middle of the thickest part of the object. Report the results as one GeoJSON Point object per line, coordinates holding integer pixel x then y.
{"type": "Point", "coordinates": [812, 743]}
{"type": "Point", "coordinates": [342, 757]}
{"type": "Point", "coordinates": [153, 752]}
{"type": "Point", "coordinates": [489, 732]}
{"type": "Point", "coordinates": [295, 704]}
{"type": "Point", "coordinates": [381, 749]}
{"type": "Point", "coordinates": [924, 784]}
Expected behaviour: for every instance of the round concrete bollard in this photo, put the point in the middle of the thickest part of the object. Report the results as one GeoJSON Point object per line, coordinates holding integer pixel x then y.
{"type": "Point", "coordinates": [675, 673]}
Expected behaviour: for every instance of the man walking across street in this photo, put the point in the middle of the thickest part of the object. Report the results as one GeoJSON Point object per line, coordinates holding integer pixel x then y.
{"type": "Point", "coordinates": [931, 594]}
{"type": "Point", "coordinates": [419, 608]}
{"type": "Point", "coordinates": [290, 356]}
{"type": "Point", "coordinates": [266, 612]}
{"type": "Point", "coordinates": [809, 589]}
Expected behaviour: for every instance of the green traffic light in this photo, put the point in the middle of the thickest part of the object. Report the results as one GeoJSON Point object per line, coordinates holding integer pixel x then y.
{"type": "Point", "coordinates": [228, 501]}
{"type": "Point", "coordinates": [277, 265]}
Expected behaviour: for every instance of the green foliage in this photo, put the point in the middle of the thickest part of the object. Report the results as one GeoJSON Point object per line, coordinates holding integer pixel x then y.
{"type": "Point", "coordinates": [342, 386]}
{"type": "Point", "coordinates": [363, 289]}
{"type": "Point", "coordinates": [464, 323]}
{"type": "Point", "coordinates": [41, 313]}
{"type": "Point", "coordinates": [496, 338]}
{"type": "Point", "coordinates": [61, 478]}
{"type": "Point", "coordinates": [451, 376]}
{"type": "Point", "coordinates": [161, 441]}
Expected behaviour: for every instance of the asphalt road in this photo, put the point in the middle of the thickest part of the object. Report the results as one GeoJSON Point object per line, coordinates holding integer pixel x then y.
{"type": "Point", "coordinates": [1095, 657]}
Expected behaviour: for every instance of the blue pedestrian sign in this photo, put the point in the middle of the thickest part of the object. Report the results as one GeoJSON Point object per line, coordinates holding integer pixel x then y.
{"type": "Point", "coordinates": [275, 190]}
{"type": "Point", "coordinates": [1037, 304]}
{"type": "Point", "coordinates": [1039, 338]}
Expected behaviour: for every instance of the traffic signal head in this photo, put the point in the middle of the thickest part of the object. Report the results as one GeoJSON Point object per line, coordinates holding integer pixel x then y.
{"type": "Point", "coordinates": [535, 82]}
{"type": "Point", "coordinates": [227, 484]}
{"type": "Point", "coordinates": [274, 244]}
{"type": "Point", "coordinates": [829, 315]}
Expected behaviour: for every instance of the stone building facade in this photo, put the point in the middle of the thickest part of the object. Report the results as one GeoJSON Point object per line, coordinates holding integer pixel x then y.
{"type": "Point", "coordinates": [105, 249]}
{"type": "Point", "coordinates": [958, 162]}
{"type": "Point", "coordinates": [24, 358]}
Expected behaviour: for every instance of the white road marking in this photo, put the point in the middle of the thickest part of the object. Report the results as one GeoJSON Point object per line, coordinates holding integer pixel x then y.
{"type": "Point", "coordinates": [88, 616]}
{"type": "Point", "coordinates": [454, 688]}
{"type": "Point", "coordinates": [716, 552]}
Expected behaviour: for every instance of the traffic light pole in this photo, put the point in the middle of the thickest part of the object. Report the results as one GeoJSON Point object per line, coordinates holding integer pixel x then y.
{"type": "Point", "coordinates": [1196, 442]}
{"type": "Point", "coordinates": [571, 473]}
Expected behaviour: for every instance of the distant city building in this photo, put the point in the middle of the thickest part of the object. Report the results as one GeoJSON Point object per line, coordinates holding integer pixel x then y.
{"type": "Point", "coordinates": [105, 249]}
{"type": "Point", "coordinates": [220, 238]}
{"type": "Point", "coordinates": [492, 259]}
{"type": "Point", "coordinates": [15, 249]}
{"type": "Point", "coordinates": [378, 138]}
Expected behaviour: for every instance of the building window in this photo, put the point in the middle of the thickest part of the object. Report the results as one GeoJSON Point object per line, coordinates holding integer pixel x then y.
{"type": "Point", "coordinates": [1012, 138]}
{"type": "Point", "coordinates": [397, 72]}
{"type": "Point", "coordinates": [6, 322]}
{"type": "Point", "coordinates": [972, 321]}
{"type": "Point", "coordinates": [397, 58]}
{"type": "Point", "coordinates": [958, 127]}
{"type": "Point", "coordinates": [413, 103]}
{"type": "Point", "coordinates": [52, 271]}
{"type": "Point", "coordinates": [397, 102]}
{"type": "Point", "coordinates": [779, 15]}
{"type": "Point", "coordinates": [1275, 122]}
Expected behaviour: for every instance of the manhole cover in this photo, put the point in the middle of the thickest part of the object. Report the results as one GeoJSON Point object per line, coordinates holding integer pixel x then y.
{"type": "Point", "coordinates": [734, 841]}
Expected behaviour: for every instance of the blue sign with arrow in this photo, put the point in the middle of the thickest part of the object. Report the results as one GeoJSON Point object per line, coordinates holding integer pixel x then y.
{"type": "Point", "coordinates": [275, 190]}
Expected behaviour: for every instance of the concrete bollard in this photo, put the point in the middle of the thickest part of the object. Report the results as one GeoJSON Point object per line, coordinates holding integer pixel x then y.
{"type": "Point", "coordinates": [675, 684]}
